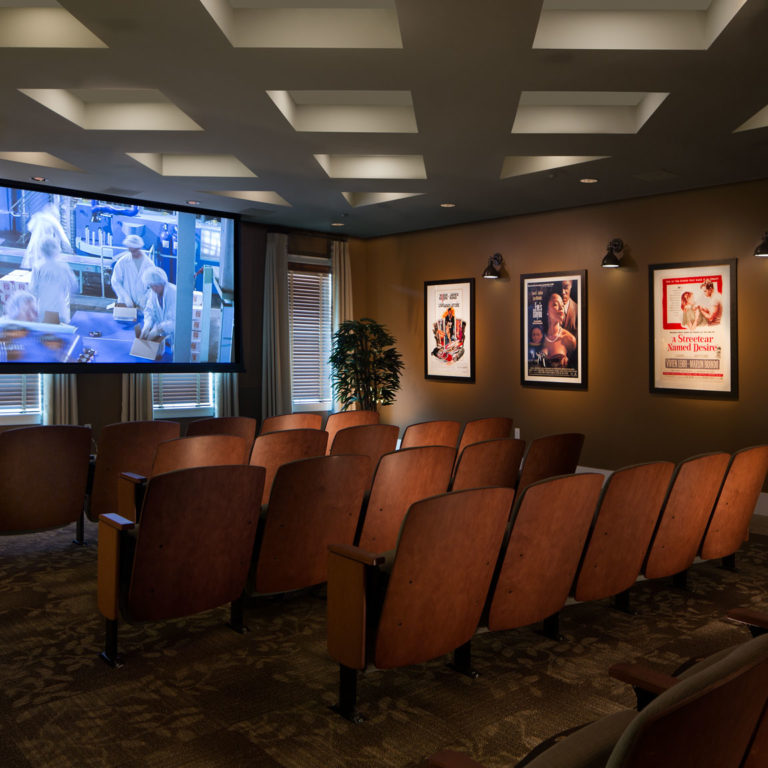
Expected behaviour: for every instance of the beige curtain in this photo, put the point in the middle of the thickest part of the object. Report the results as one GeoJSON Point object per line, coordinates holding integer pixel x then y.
{"type": "Point", "coordinates": [342, 283]}
{"type": "Point", "coordinates": [342, 289]}
{"type": "Point", "coordinates": [137, 397]}
{"type": "Point", "coordinates": [60, 397]}
{"type": "Point", "coordinates": [226, 394]}
{"type": "Point", "coordinates": [276, 370]}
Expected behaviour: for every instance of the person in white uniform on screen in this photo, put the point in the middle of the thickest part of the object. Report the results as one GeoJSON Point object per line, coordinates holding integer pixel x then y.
{"type": "Point", "coordinates": [128, 274]}
{"type": "Point", "coordinates": [159, 307]}
{"type": "Point", "coordinates": [43, 225]}
{"type": "Point", "coordinates": [21, 305]}
{"type": "Point", "coordinates": [52, 282]}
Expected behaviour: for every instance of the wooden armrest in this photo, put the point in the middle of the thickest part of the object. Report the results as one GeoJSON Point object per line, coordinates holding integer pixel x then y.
{"type": "Point", "coordinates": [749, 616]}
{"type": "Point", "coordinates": [119, 522]}
{"type": "Point", "coordinates": [132, 477]}
{"type": "Point", "coordinates": [642, 677]}
{"type": "Point", "coordinates": [356, 554]}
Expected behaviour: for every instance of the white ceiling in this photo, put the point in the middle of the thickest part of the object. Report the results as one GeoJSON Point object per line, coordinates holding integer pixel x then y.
{"type": "Point", "coordinates": [372, 113]}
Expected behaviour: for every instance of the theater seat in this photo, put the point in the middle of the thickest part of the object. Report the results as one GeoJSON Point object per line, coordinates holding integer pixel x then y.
{"type": "Point", "coordinates": [550, 456]}
{"type": "Point", "coordinates": [346, 419]}
{"type": "Point", "coordinates": [713, 717]}
{"type": "Point", "coordinates": [430, 603]}
{"type": "Point", "coordinates": [190, 553]}
{"type": "Point", "coordinates": [240, 426]}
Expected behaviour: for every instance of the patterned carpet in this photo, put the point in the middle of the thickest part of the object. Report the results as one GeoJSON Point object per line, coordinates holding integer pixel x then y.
{"type": "Point", "coordinates": [193, 693]}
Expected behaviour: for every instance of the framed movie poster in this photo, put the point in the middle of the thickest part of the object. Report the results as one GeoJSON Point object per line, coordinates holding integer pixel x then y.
{"type": "Point", "coordinates": [553, 329]}
{"type": "Point", "coordinates": [449, 327]}
{"type": "Point", "coordinates": [693, 328]}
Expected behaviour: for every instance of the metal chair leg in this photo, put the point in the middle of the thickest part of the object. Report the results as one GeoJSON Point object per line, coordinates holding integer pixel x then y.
{"type": "Point", "coordinates": [462, 661]}
{"type": "Point", "coordinates": [347, 706]}
{"type": "Point", "coordinates": [109, 654]}
{"type": "Point", "coordinates": [80, 530]}
{"type": "Point", "coordinates": [550, 627]}
{"type": "Point", "coordinates": [236, 610]}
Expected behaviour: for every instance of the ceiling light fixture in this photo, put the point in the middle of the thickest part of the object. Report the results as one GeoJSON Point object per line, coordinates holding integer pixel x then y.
{"type": "Point", "coordinates": [193, 202]}
{"type": "Point", "coordinates": [762, 250]}
{"type": "Point", "coordinates": [493, 270]}
{"type": "Point", "coordinates": [447, 205]}
{"type": "Point", "coordinates": [337, 223]}
{"type": "Point", "coordinates": [588, 181]}
{"type": "Point", "coordinates": [613, 255]}
{"type": "Point", "coordinates": [38, 178]}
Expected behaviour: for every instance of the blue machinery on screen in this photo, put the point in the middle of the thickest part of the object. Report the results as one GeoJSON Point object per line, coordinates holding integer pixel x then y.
{"type": "Point", "coordinates": [119, 283]}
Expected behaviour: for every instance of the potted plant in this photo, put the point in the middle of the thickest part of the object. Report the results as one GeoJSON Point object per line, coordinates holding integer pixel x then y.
{"type": "Point", "coordinates": [366, 366]}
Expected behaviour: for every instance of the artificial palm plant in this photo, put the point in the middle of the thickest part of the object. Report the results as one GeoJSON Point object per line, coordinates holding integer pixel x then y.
{"type": "Point", "coordinates": [366, 366]}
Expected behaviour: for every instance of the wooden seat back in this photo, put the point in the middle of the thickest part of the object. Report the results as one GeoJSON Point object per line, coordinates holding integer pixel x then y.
{"type": "Point", "coordinates": [548, 530]}
{"type": "Point", "coordinates": [626, 517]}
{"type": "Point", "coordinates": [195, 541]}
{"type": "Point", "coordinates": [431, 433]}
{"type": "Point", "coordinates": [240, 426]}
{"type": "Point", "coordinates": [729, 525]}
{"type": "Point", "coordinates": [371, 440]}
{"type": "Point", "coordinates": [127, 446]}
{"type": "Point", "coordinates": [402, 478]}
{"type": "Point", "coordinates": [550, 456]}
{"type": "Point", "coordinates": [346, 419]}
{"type": "Point", "coordinates": [314, 502]}
{"type": "Point", "coordinates": [199, 451]}
{"type": "Point", "coordinates": [291, 421]}
{"type": "Point", "coordinates": [708, 720]}
{"type": "Point", "coordinates": [685, 515]}
{"type": "Point", "coordinates": [441, 573]}
{"type": "Point", "coordinates": [492, 462]}
{"type": "Point", "coordinates": [480, 430]}
{"type": "Point", "coordinates": [273, 450]}
{"type": "Point", "coordinates": [43, 477]}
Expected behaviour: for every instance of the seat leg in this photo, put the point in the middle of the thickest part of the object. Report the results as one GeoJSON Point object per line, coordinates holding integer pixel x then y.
{"type": "Point", "coordinates": [462, 661]}
{"type": "Point", "coordinates": [644, 698]}
{"type": "Point", "coordinates": [109, 654]}
{"type": "Point", "coordinates": [80, 531]}
{"type": "Point", "coordinates": [236, 610]}
{"type": "Point", "coordinates": [728, 563]}
{"type": "Point", "coordinates": [550, 627]}
{"type": "Point", "coordinates": [680, 580]}
{"type": "Point", "coordinates": [620, 602]}
{"type": "Point", "coordinates": [347, 706]}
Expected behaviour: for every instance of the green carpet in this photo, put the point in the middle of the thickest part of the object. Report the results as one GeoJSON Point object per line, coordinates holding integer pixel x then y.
{"type": "Point", "coordinates": [193, 693]}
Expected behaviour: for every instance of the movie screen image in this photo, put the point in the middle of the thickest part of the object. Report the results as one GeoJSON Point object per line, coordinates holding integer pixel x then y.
{"type": "Point", "coordinates": [114, 283]}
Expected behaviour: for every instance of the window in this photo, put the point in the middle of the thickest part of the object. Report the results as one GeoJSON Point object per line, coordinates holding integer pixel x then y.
{"type": "Point", "coordinates": [21, 398]}
{"type": "Point", "coordinates": [182, 394]}
{"type": "Point", "coordinates": [309, 330]}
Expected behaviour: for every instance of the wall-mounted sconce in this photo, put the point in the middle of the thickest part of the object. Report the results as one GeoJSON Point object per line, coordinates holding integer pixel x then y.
{"type": "Point", "coordinates": [493, 270]}
{"type": "Point", "coordinates": [612, 258]}
{"type": "Point", "coordinates": [762, 250]}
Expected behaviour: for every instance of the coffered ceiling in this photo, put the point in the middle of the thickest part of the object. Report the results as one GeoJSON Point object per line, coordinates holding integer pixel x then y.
{"type": "Point", "coordinates": [383, 116]}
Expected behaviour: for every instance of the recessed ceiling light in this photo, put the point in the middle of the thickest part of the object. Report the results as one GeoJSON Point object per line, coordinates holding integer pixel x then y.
{"type": "Point", "coordinates": [193, 202]}
{"type": "Point", "coordinates": [37, 178]}
{"type": "Point", "coordinates": [337, 223]}
{"type": "Point", "coordinates": [588, 181]}
{"type": "Point", "coordinates": [447, 205]}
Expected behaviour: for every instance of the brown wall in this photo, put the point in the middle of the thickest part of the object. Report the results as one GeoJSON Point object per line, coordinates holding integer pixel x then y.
{"type": "Point", "coordinates": [623, 422]}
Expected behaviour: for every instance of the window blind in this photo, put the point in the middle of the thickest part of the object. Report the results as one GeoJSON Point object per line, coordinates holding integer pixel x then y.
{"type": "Point", "coordinates": [309, 328]}
{"type": "Point", "coordinates": [20, 394]}
{"type": "Point", "coordinates": [173, 391]}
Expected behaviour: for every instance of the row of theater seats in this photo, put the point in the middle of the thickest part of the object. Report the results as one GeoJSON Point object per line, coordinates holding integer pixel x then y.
{"type": "Point", "coordinates": [310, 504]}
{"type": "Point", "coordinates": [712, 715]}
{"type": "Point", "coordinates": [464, 560]}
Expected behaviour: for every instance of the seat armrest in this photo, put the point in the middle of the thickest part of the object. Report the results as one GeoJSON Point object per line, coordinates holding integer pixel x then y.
{"type": "Point", "coordinates": [642, 677]}
{"type": "Point", "coordinates": [356, 554]}
{"type": "Point", "coordinates": [130, 494]}
{"type": "Point", "coordinates": [119, 522]}
{"type": "Point", "coordinates": [749, 616]}
{"type": "Point", "coordinates": [111, 527]}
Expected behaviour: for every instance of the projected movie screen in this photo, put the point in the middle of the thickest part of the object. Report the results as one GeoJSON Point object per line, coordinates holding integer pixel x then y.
{"type": "Point", "coordinates": [90, 281]}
